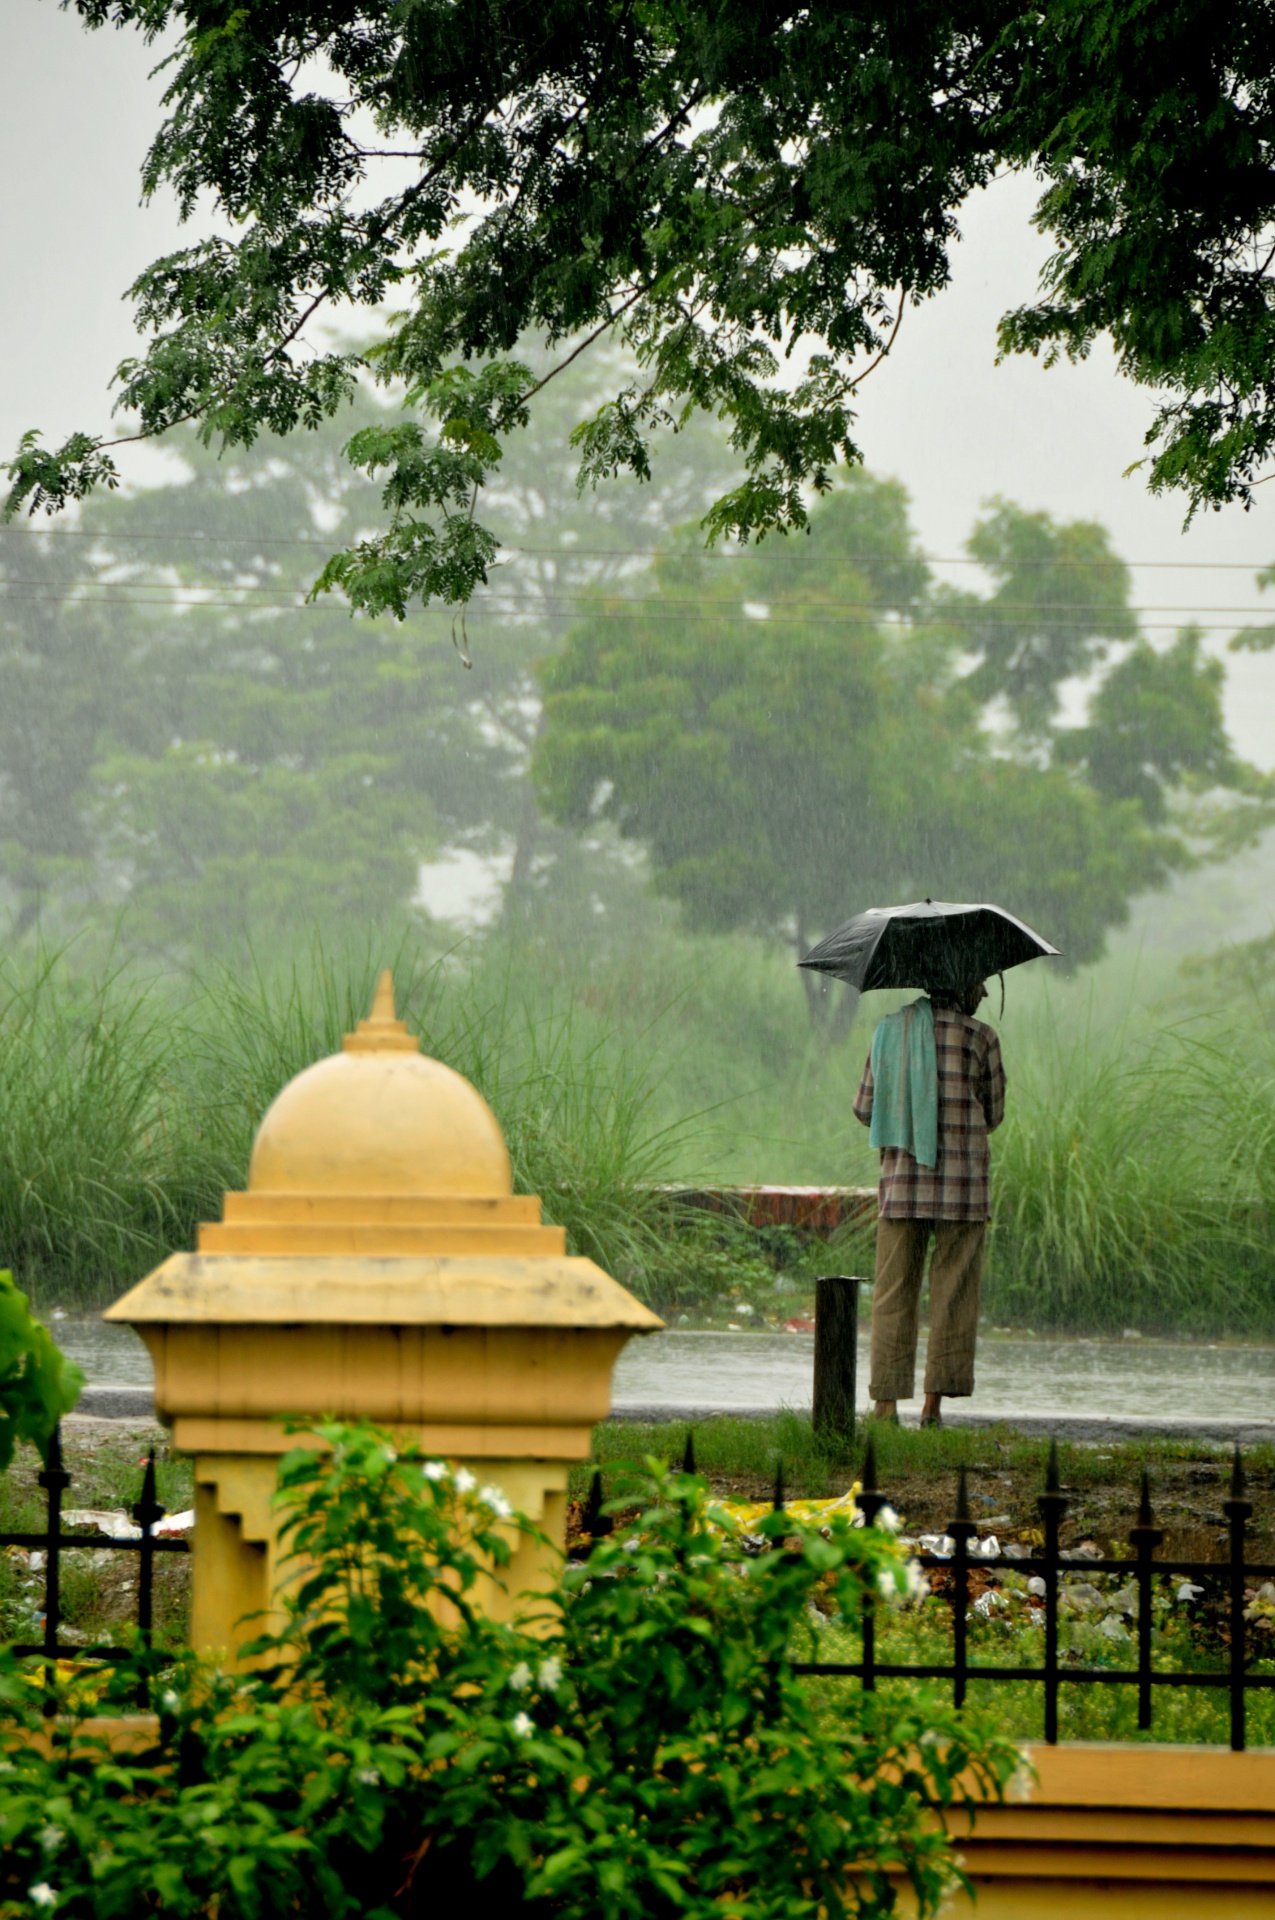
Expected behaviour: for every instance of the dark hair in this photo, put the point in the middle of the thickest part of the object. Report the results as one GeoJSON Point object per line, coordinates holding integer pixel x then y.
{"type": "Point", "coordinates": [955, 997]}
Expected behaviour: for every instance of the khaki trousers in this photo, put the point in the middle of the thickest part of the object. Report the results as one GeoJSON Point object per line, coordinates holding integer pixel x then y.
{"type": "Point", "coordinates": [955, 1273]}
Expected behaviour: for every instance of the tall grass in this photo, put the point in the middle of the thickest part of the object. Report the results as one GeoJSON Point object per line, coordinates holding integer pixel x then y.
{"type": "Point", "coordinates": [99, 1172]}
{"type": "Point", "coordinates": [1133, 1182]}
{"type": "Point", "coordinates": [1133, 1185]}
{"type": "Point", "coordinates": [126, 1109]}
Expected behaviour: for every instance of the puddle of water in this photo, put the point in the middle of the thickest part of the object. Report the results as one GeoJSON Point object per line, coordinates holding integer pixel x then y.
{"type": "Point", "coordinates": [1016, 1373]}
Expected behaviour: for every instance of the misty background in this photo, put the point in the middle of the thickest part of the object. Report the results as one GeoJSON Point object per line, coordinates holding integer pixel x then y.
{"type": "Point", "coordinates": [593, 822]}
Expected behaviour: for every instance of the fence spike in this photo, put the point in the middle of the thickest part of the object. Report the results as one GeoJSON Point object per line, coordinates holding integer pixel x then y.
{"type": "Point", "coordinates": [688, 1457]}
{"type": "Point", "coordinates": [869, 1477]}
{"type": "Point", "coordinates": [146, 1509]}
{"type": "Point", "coordinates": [779, 1487]}
{"type": "Point", "coordinates": [1144, 1504]}
{"type": "Point", "coordinates": [962, 1496]}
{"type": "Point", "coordinates": [596, 1523]}
{"type": "Point", "coordinates": [1237, 1475]}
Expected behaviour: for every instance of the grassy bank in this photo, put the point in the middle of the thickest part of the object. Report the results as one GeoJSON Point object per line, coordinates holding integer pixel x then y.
{"type": "Point", "coordinates": [128, 1107]}
{"type": "Point", "coordinates": [1133, 1180]}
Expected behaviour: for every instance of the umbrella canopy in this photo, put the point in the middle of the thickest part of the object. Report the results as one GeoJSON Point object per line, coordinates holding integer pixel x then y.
{"type": "Point", "coordinates": [931, 943]}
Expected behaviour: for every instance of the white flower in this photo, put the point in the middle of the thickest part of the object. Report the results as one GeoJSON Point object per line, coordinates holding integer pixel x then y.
{"type": "Point", "coordinates": [891, 1581]}
{"type": "Point", "coordinates": [550, 1674]}
{"type": "Point", "coordinates": [367, 1776]}
{"type": "Point", "coordinates": [51, 1839]}
{"type": "Point", "coordinates": [523, 1725]}
{"type": "Point", "coordinates": [42, 1895]}
{"type": "Point", "coordinates": [889, 1519]}
{"type": "Point", "coordinates": [436, 1470]}
{"type": "Point", "coordinates": [918, 1584]}
{"type": "Point", "coordinates": [391, 1455]}
{"type": "Point", "coordinates": [169, 1700]}
{"type": "Point", "coordinates": [465, 1481]}
{"type": "Point", "coordinates": [492, 1497]}
{"type": "Point", "coordinates": [520, 1677]}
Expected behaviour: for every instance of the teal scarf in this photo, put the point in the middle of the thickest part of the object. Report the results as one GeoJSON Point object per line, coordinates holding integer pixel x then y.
{"type": "Point", "coordinates": [905, 1078]}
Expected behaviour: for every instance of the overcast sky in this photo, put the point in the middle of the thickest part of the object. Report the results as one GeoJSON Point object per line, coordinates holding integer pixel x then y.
{"type": "Point", "coordinates": [940, 415]}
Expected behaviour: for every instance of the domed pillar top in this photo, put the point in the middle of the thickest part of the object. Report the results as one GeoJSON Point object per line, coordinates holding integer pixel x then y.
{"type": "Point", "coordinates": [378, 1266]}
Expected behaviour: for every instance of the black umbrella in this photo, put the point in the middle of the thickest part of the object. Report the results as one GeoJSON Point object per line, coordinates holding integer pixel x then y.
{"type": "Point", "coordinates": [932, 943]}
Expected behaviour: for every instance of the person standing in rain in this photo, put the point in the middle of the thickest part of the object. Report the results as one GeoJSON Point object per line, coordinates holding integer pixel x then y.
{"type": "Point", "coordinates": [932, 1091]}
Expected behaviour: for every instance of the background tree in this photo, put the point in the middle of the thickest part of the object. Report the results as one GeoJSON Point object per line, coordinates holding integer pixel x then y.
{"type": "Point", "coordinates": [59, 666]}
{"type": "Point", "coordinates": [792, 742]}
{"type": "Point", "coordinates": [1061, 599]}
{"type": "Point", "coordinates": [181, 736]}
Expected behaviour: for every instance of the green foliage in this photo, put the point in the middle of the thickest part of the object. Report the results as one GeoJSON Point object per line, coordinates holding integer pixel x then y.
{"type": "Point", "coordinates": [1061, 598]}
{"type": "Point", "coordinates": [38, 1384]}
{"type": "Point", "coordinates": [645, 1749]}
{"type": "Point", "coordinates": [718, 191]}
{"type": "Point", "coordinates": [1156, 726]}
{"type": "Point", "coordinates": [786, 768]}
{"type": "Point", "coordinates": [1153, 129]}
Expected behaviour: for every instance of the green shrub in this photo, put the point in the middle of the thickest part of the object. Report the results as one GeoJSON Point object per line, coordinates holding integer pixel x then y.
{"type": "Point", "coordinates": [637, 1747]}
{"type": "Point", "coordinates": [38, 1384]}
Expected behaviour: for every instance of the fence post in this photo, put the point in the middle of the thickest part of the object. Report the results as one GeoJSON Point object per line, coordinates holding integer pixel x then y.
{"type": "Point", "coordinates": [55, 1480]}
{"type": "Point", "coordinates": [1052, 1504]}
{"type": "Point", "coordinates": [836, 1353]}
{"type": "Point", "coordinates": [1237, 1510]}
{"type": "Point", "coordinates": [961, 1530]}
{"type": "Point", "coordinates": [870, 1502]}
{"type": "Point", "coordinates": [1145, 1537]}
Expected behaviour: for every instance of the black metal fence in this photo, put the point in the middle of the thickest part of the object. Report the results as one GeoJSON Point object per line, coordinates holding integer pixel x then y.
{"type": "Point", "coordinates": [1227, 1580]}
{"type": "Point", "coordinates": [53, 1542]}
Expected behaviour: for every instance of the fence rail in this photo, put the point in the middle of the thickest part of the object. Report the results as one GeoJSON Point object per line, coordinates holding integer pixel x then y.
{"type": "Point", "coordinates": [53, 1541]}
{"type": "Point", "coordinates": [1050, 1564]}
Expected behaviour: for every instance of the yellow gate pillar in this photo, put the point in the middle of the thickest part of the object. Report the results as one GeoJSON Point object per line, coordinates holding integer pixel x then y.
{"type": "Point", "coordinates": [378, 1267]}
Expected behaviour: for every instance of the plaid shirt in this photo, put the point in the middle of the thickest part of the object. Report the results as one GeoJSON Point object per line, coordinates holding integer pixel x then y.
{"type": "Point", "coordinates": [971, 1105]}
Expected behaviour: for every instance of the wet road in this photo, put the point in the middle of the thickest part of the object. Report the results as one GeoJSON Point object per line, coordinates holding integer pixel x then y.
{"type": "Point", "coordinates": [1017, 1373]}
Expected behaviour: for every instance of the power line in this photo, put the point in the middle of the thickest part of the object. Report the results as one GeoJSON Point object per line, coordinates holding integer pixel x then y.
{"type": "Point", "coordinates": [735, 556]}
{"type": "Point", "coordinates": [730, 616]}
{"type": "Point", "coordinates": [159, 593]}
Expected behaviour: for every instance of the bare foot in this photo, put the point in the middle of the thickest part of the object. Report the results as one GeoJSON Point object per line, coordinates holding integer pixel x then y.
{"type": "Point", "coordinates": [886, 1409]}
{"type": "Point", "coordinates": [930, 1410]}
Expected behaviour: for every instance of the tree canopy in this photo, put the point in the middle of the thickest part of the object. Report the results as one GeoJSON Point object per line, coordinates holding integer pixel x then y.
{"type": "Point", "coordinates": [746, 197]}
{"type": "Point", "coordinates": [792, 743]}
{"type": "Point", "coordinates": [183, 740]}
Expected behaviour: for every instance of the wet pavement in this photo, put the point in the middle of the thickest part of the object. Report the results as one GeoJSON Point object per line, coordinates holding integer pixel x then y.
{"type": "Point", "coordinates": [1035, 1381]}
{"type": "Point", "coordinates": [1016, 1374]}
